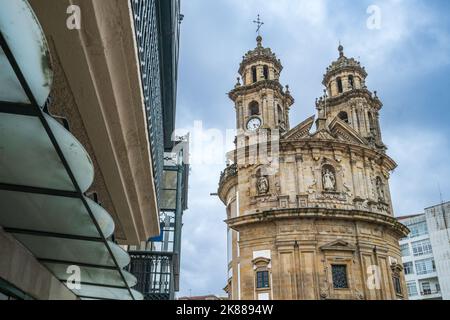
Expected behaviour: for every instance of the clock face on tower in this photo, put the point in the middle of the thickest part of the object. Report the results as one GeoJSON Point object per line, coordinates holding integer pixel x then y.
{"type": "Point", "coordinates": [253, 124]}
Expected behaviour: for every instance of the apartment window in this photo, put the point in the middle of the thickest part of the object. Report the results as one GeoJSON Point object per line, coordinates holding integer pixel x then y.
{"type": "Point", "coordinates": [412, 288]}
{"type": "Point", "coordinates": [438, 287]}
{"type": "Point", "coordinates": [426, 288]}
{"type": "Point", "coordinates": [339, 273]}
{"type": "Point", "coordinates": [262, 280]}
{"type": "Point", "coordinates": [408, 268]}
{"type": "Point", "coordinates": [421, 248]}
{"type": "Point", "coordinates": [397, 284]}
{"type": "Point", "coordinates": [405, 250]}
{"type": "Point", "coordinates": [425, 266]}
{"type": "Point", "coordinates": [418, 229]}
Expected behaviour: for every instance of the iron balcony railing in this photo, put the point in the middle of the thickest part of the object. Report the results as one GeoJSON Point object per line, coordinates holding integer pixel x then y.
{"type": "Point", "coordinates": [155, 274]}
{"type": "Point", "coordinates": [430, 292]}
{"type": "Point", "coordinates": [147, 37]}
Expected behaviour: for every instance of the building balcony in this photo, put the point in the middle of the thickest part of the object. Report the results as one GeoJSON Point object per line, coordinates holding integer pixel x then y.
{"type": "Point", "coordinates": [98, 90]}
{"type": "Point", "coordinates": [156, 274]}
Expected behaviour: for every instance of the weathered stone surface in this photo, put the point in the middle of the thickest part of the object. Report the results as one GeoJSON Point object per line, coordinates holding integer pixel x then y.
{"type": "Point", "coordinates": [321, 200]}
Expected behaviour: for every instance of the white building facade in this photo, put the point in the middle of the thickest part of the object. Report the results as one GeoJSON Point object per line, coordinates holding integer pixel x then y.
{"type": "Point", "coordinates": [438, 218]}
{"type": "Point", "coordinates": [419, 261]}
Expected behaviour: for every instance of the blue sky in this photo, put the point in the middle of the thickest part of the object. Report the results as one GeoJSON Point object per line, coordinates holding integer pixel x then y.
{"type": "Point", "coordinates": [408, 62]}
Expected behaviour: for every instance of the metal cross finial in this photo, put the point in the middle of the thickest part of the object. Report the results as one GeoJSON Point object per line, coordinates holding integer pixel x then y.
{"type": "Point", "coordinates": [259, 23]}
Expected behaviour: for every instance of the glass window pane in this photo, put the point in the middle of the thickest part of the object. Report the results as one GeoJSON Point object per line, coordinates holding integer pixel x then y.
{"type": "Point", "coordinates": [93, 275]}
{"type": "Point", "coordinates": [106, 293]}
{"type": "Point", "coordinates": [28, 157]}
{"type": "Point", "coordinates": [339, 273]}
{"type": "Point", "coordinates": [425, 266]}
{"type": "Point", "coordinates": [408, 268]}
{"type": "Point", "coordinates": [262, 279]}
{"type": "Point", "coordinates": [405, 250]}
{"type": "Point", "coordinates": [54, 214]}
{"type": "Point", "coordinates": [412, 288]}
{"type": "Point", "coordinates": [169, 199]}
{"type": "Point", "coordinates": [75, 154]}
{"type": "Point", "coordinates": [421, 248]}
{"type": "Point", "coordinates": [28, 45]}
{"type": "Point", "coordinates": [170, 179]}
{"type": "Point", "coordinates": [10, 88]}
{"type": "Point", "coordinates": [77, 251]}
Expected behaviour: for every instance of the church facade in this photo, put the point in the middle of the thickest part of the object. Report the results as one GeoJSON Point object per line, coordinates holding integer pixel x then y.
{"type": "Point", "coordinates": [309, 210]}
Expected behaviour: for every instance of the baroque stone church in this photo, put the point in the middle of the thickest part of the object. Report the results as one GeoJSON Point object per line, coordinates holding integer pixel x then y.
{"type": "Point", "coordinates": [315, 220]}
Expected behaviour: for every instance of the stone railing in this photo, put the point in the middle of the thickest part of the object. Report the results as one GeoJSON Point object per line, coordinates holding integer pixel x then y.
{"type": "Point", "coordinates": [230, 171]}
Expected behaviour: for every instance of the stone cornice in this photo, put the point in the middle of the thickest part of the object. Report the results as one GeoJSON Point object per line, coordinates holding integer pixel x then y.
{"type": "Point", "coordinates": [260, 54]}
{"type": "Point", "coordinates": [319, 213]}
{"type": "Point", "coordinates": [341, 65]}
{"type": "Point", "coordinates": [258, 86]}
{"type": "Point", "coordinates": [228, 179]}
{"type": "Point", "coordinates": [346, 96]}
{"type": "Point", "coordinates": [317, 143]}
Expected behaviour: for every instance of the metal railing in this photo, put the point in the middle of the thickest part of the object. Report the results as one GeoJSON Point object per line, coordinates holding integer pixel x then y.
{"type": "Point", "coordinates": [430, 292]}
{"type": "Point", "coordinates": [154, 272]}
{"type": "Point", "coordinates": [147, 38]}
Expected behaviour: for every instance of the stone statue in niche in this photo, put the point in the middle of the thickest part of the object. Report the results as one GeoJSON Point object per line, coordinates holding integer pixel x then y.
{"type": "Point", "coordinates": [262, 185]}
{"type": "Point", "coordinates": [380, 188]}
{"type": "Point", "coordinates": [329, 180]}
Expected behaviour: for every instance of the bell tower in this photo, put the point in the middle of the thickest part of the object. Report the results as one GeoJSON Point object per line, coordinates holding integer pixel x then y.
{"type": "Point", "coordinates": [311, 218]}
{"type": "Point", "coordinates": [347, 97]}
{"type": "Point", "coordinates": [260, 100]}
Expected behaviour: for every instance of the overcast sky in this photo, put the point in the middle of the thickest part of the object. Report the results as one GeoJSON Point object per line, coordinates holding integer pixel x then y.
{"type": "Point", "coordinates": [408, 62]}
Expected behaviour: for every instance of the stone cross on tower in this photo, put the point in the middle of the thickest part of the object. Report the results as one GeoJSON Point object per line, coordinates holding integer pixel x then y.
{"type": "Point", "coordinates": [259, 23]}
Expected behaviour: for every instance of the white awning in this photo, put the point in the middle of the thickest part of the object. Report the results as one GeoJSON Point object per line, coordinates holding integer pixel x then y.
{"type": "Point", "coordinates": [45, 171]}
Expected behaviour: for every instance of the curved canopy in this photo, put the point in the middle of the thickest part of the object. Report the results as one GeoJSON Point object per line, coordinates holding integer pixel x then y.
{"type": "Point", "coordinates": [27, 43]}
{"type": "Point", "coordinates": [45, 171]}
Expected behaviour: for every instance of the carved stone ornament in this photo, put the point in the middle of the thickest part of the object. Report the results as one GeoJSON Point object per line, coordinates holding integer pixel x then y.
{"type": "Point", "coordinates": [262, 185]}
{"type": "Point", "coordinates": [329, 180]}
{"type": "Point", "coordinates": [380, 188]}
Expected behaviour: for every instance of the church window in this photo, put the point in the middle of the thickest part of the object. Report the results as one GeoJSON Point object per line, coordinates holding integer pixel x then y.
{"type": "Point", "coordinates": [266, 72]}
{"type": "Point", "coordinates": [339, 274]}
{"type": "Point", "coordinates": [254, 74]}
{"type": "Point", "coordinates": [371, 123]}
{"type": "Point", "coordinates": [262, 279]}
{"type": "Point", "coordinates": [280, 115]}
{"type": "Point", "coordinates": [253, 109]}
{"type": "Point", "coordinates": [343, 116]}
{"type": "Point", "coordinates": [351, 82]}
{"type": "Point", "coordinates": [339, 84]}
{"type": "Point", "coordinates": [397, 284]}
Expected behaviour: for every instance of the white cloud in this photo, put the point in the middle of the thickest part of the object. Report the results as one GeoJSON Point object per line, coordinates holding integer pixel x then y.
{"type": "Point", "coordinates": [423, 155]}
